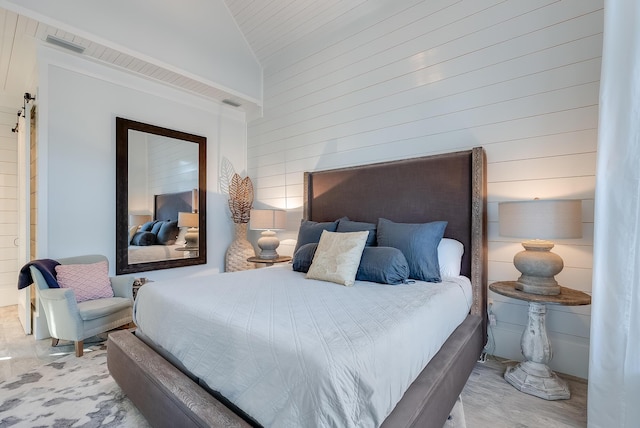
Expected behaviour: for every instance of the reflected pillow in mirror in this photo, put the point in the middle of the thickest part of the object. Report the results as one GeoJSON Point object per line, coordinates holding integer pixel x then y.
{"type": "Point", "coordinates": [143, 239]}
{"type": "Point", "coordinates": [132, 231]}
{"type": "Point", "coordinates": [168, 233]}
{"type": "Point", "coordinates": [88, 281]}
{"type": "Point", "coordinates": [148, 226]}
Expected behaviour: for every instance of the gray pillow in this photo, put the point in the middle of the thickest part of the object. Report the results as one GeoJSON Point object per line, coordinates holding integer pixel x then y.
{"type": "Point", "coordinates": [310, 231]}
{"type": "Point", "coordinates": [419, 244]}
{"type": "Point", "coordinates": [346, 225]}
{"type": "Point", "coordinates": [143, 238]}
{"type": "Point", "coordinates": [168, 233]}
{"type": "Point", "coordinates": [385, 265]}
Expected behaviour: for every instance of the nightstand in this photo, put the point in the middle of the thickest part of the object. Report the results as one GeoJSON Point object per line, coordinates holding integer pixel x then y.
{"type": "Point", "coordinates": [269, 262]}
{"type": "Point", "coordinates": [533, 376]}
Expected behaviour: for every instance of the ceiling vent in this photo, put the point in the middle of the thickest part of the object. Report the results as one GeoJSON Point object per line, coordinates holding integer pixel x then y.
{"type": "Point", "coordinates": [231, 103]}
{"type": "Point", "coordinates": [64, 44]}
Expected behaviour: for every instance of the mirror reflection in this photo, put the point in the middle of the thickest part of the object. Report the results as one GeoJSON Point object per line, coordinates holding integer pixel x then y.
{"type": "Point", "coordinates": [159, 208]}
{"type": "Point", "coordinates": [163, 183]}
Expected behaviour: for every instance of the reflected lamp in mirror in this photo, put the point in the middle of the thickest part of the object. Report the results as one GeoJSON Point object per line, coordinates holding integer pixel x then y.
{"type": "Point", "coordinates": [268, 221]}
{"type": "Point", "coordinates": [539, 221]}
{"type": "Point", "coordinates": [138, 219]}
{"type": "Point", "coordinates": [189, 220]}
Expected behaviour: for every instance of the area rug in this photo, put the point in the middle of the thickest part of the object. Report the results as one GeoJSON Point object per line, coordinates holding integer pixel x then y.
{"type": "Point", "coordinates": [69, 392]}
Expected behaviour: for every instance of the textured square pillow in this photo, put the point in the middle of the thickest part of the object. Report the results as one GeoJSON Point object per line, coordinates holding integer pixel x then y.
{"type": "Point", "coordinates": [310, 231]}
{"type": "Point", "coordinates": [346, 225]}
{"type": "Point", "coordinates": [419, 244]}
{"type": "Point", "coordinates": [88, 281]}
{"type": "Point", "coordinates": [450, 254]}
{"type": "Point", "coordinates": [337, 257]}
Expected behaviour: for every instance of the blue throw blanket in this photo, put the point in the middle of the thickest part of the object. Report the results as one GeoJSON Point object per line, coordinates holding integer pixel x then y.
{"type": "Point", "coordinates": [46, 266]}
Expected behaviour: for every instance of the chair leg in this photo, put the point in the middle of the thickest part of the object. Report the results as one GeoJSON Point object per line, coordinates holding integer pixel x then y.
{"type": "Point", "coordinates": [54, 341]}
{"type": "Point", "coordinates": [79, 348]}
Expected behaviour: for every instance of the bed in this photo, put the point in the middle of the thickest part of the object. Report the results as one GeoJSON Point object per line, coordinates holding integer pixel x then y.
{"type": "Point", "coordinates": [166, 209]}
{"type": "Point", "coordinates": [449, 186]}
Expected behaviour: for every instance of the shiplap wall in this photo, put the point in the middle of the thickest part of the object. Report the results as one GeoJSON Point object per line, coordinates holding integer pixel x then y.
{"type": "Point", "coordinates": [520, 78]}
{"type": "Point", "coordinates": [8, 207]}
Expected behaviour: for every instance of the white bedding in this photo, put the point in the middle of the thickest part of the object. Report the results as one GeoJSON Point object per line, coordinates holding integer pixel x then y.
{"type": "Point", "coordinates": [293, 352]}
{"type": "Point", "coordinates": [154, 253]}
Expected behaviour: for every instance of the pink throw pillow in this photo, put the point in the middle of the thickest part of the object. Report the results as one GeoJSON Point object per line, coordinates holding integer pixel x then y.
{"type": "Point", "coordinates": [88, 281]}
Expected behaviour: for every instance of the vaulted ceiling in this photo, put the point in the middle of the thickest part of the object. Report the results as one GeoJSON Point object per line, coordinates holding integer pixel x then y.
{"type": "Point", "coordinates": [269, 27]}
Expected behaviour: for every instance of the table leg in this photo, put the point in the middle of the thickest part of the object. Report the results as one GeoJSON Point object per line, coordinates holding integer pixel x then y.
{"type": "Point", "coordinates": [533, 376]}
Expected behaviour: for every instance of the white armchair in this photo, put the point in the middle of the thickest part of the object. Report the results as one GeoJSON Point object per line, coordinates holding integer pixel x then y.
{"type": "Point", "coordinates": [69, 320]}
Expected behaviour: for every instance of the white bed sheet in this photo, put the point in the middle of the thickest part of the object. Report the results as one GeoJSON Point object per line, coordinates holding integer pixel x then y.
{"type": "Point", "coordinates": [294, 352]}
{"type": "Point", "coordinates": [155, 253]}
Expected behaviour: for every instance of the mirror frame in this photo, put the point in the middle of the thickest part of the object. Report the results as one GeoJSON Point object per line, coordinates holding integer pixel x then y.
{"type": "Point", "coordinates": [123, 126]}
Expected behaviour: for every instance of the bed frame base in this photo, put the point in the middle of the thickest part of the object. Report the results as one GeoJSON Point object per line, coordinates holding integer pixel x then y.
{"type": "Point", "coordinates": [163, 394]}
{"type": "Point", "coordinates": [168, 398]}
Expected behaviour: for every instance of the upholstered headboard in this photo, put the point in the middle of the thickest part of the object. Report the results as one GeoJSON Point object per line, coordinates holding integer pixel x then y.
{"type": "Point", "coordinates": [167, 206]}
{"type": "Point", "coordinates": [449, 187]}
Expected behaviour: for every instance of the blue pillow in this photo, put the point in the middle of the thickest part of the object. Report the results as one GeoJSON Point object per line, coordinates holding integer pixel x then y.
{"type": "Point", "coordinates": [346, 225]}
{"type": "Point", "coordinates": [147, 226]}
{"type": "Point", "coordinates": [418, 243]}
{"type": "Point", "coordinates": [156, 227]}
{"type": "Point", "coordinates": [168, 233]}
{"type": "Point", "coordinates": [143, 238]}
{"type": "Point", "coordinates": [310, 232]}
{"type": "Point", "coordinates": [385, 265]}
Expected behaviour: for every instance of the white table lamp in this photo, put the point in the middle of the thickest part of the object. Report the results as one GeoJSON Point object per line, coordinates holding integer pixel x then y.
{"type": "Point", "coordinates": [191, 221]}
{"type": "Point", "coordinates": [268, 221]}
{"type": "Point", "coordinates": [539, 221]}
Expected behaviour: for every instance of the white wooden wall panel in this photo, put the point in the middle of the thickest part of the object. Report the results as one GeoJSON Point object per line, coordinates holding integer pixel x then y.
{"type": "Point", "coordinates": [8, 207]}
{"type": "Point", "coordinates": [520, 78]}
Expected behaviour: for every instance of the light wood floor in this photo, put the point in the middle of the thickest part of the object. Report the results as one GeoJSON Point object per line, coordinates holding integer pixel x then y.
{"type": "Point", "coordinates": [488, 401]}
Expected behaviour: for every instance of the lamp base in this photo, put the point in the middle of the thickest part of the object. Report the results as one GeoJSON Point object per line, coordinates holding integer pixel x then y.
{"type": "Point", "coordinates": [268, 244]}
{"type": "Point", "coordinates": [538, 266]}
{"type": "Point", "coordinates": [191, 238]}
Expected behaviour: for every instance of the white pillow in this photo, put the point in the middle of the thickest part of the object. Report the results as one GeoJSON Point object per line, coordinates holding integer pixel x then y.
{"type": "Point", "coordinates": [338, 256]}
{"type": "Point", "coordinates": [450, 256]}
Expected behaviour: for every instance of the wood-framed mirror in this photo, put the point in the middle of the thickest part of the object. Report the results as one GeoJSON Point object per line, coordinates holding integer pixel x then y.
{"type": "Point", "coordinates": [160, 198]}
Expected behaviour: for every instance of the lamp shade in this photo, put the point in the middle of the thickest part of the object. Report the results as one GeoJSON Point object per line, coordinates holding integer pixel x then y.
{"type": "Point", "coordinates": [187, 219]}
{"type": "Point", "coordinates": [268, 219]}
{"type": "Point", "coordinates": [138, 219]}
{"type": "Point", "coordinates": [541, 219]}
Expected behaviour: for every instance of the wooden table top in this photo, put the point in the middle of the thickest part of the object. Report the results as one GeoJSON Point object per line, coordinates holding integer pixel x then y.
{"type": "Point", "coordinates": [567, 296]}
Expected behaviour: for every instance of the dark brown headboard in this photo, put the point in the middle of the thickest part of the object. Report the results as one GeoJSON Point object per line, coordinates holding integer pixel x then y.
{"type": "Point", "coordinates": [167, 205]}
{"type": "Point", "coordinates": [449, 187]}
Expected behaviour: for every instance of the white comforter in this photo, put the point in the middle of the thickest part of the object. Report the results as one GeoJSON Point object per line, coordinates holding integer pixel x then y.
{"type": "Point", "coordinates": [293, 352]}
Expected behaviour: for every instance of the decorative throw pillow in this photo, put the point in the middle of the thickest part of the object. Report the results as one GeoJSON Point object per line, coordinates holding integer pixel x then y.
{"type": "Point", "coordinates": [303, 257]}
{"type": "Point", "coordinates": [337, 257]}
{"type": "Point", "coordinates": [346, 225]}
{"type": "Point", "coordinates": [168, 233]}
{"type": "Point", "coordinates": [386, 265]}
{"type": "Point", "coordinates": [418, 243]}
{"type": "Point", "coordinates": [310, 231]}
{"type": "Point", "coordinates": [450, 254]}
{"type": "Point", "coordinates": [88, 281]}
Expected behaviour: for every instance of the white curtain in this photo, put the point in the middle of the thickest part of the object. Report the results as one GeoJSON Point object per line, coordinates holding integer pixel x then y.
{"type": "Point", "coordinates": [614, 363]}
